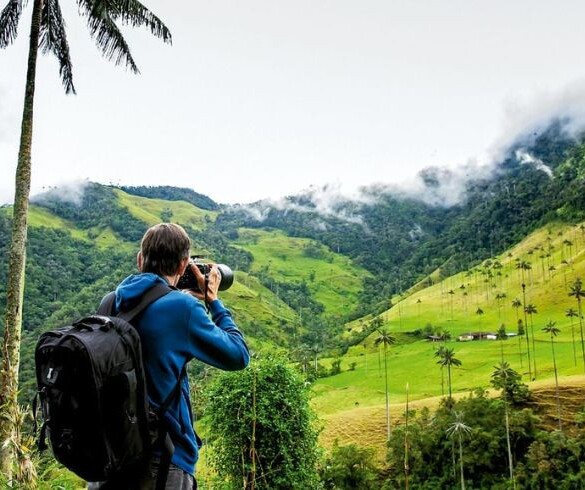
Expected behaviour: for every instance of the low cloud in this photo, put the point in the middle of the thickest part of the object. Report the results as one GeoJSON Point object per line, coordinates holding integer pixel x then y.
{"type": "Point", "coordinates": [526, 158]}
{"type": "Point", "coordinates": [329, 201]}
{"type": "Point", "coordinates": [440, 186]}
{"type": "Point", "coordinates": [66, 192]}
{"type": "Point", "coordinates": [525, 120]}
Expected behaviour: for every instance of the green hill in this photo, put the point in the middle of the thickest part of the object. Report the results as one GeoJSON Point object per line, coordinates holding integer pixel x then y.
{"type": "Point", "coordinates": [556, 255]}
{"type": "Point", "coordinates": [79, 251]}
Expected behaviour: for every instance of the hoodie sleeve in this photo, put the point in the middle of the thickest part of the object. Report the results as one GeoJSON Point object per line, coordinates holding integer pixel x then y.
{"type": "Point", "coordinates": [216, 340]}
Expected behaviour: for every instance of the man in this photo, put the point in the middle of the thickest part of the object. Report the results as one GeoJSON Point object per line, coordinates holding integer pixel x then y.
{"type": "Point", "coordinates": [173, 330]}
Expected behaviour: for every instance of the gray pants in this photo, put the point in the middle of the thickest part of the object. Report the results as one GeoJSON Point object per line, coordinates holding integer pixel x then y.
{"type": "Point", "coordinates": [177, 479]}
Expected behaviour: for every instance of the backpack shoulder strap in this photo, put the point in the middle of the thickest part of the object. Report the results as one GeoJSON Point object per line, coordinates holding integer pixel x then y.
{"type": "Point", "coordinates": [108, 302]}
{"type": "Point", "coordinates": [107, 305]}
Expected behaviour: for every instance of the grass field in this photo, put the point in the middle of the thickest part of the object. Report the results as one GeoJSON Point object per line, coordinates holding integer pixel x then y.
{"type": "Point", "coordinates": [557, 257]}
{"type": "Point", "coordinates": [150, 211]}
{"type": "Point", "coordinates": [331, 278]}
{"type": "Point", "coordinates": [42, 217]}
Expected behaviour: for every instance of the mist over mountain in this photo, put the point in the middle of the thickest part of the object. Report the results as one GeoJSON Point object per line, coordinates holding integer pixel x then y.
{"type": "Point", "coordinates": [448, 218]}
{"type": "Point", "coordinates": [444, 216]}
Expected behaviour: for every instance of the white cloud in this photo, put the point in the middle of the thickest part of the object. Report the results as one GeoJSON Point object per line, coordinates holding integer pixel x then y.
{"type": "Point", "coordinates": [525, 119]}
{"type": "Point", "coordinates": [526, 158]}
{"type": "Point", "coordinates": [67, 191]}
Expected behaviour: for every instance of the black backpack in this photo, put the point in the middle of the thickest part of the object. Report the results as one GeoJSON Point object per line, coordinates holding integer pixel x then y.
{"type": "Point", "coordinates": [92, 392]}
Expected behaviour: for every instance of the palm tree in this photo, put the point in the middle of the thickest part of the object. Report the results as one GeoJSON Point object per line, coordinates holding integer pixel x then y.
{"type": "Point", "coordinates": [499, 298]}
{"type": "Point", "coordinates": [501, 336]}
{"type": "Point", "coordinates": [479, 312]}
{"type": "Point", "coordinates": [520, 332]}
{"type": "Point", "coordinates": [577, 292]}
{"type": "Point", "coordinates": [384, 338]}
{"type": "Point", "coordinates": [526, 326]}
{"type": "Point", "coordinates": [315, 349]}
{"type": "Point", "coordinates": [48, 34]}
{"type": "Point", "coordinates": [500, 378]}
{"type": "Point", "coordinates": [517, 304]}
{"type": "Point", "coordinates": [530, 309]}
{"type": "Point", "coordinates": [522, 266]}
{"type": "Point", "coordinates": [451, 293]}
{"type": "Point", "coordinates": [439, 353]}
{"type": "Point", "coordinates": [448, 359]}
{"type": "Point", "coordinates": [571, 313]}
{"type": "Point", "coordinates": [459, 428]}
{"type": "Point", "coordinates": [553, 331]}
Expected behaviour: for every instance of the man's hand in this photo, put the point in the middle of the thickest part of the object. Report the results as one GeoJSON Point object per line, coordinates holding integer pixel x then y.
{"type": "Point", "coordinates": [213, 280]}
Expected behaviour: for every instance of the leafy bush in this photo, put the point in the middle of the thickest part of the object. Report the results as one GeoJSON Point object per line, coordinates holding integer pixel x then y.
{"type": "Point", "coordinates": [261, 429]}
{"type": "Point", "coordinates": [350, 467]}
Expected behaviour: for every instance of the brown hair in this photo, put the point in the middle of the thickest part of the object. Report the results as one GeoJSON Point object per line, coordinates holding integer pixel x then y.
{"type": "Point", "coordinates": [163, 247]}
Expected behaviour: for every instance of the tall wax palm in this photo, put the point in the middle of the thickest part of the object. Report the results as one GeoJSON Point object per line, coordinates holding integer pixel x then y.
{"type": "Point", "coordinates": [576, 290]}
{"type": "Point", "coordinates": [458, 428]}
{"type": "Point", "coordinates": [517, 304]}
{"type": "Point", "coordinates": [500, 378]}
{"type": "Point", "coordinates": [451, 294]}
{"type": "Point", "coordinates": [439, 353]}
{"type": "Point", "coordinates": [521, 332]}
{"type": "Point", "coordinates": [447, 360]}
{"type": "Point", "coordinates": [523, 266]}
{"type": "Point", "coordinates": [499, 298]}
{"type": "Point", "coordinates": [571, 313]}
{"type": "Point", "coordinates": [553, 331]}
{"type": "Point", "coordinates": [479, 312]}
{"type": "Point", "coordinates": [530, 310]}
{"type": "Point", "coordinates": [385, 339]}
{"type": "Point", "coordinates": [501, 336]}
{"type": "Point", "coordinates": [48, 33]}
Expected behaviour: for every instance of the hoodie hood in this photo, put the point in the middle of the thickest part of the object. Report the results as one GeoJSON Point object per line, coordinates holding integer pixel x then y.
{"type": "Point", "coordinates": [131, 289]}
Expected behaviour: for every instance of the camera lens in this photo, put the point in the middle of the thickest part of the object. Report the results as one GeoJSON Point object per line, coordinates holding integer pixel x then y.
{"type": "Point", "coordinates": [227, 277]}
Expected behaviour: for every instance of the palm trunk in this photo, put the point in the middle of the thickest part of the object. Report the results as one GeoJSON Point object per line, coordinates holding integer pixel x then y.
{"type": "Point", "coordinates": [520, 351]}
{"type": "Point", "coordinates": [574, 344]}
{"type": "Point", "coordinates": [533, 345]}
{"type": "Point", "coordinates": [388, 430]}
{"type": "Point", "coordinates": [527, 333]}
{"type": "Point", "coordinates": [449, 381]}
{"type": "Point", "coordinates": [508, 443]}
{"type": "Point", "coordinates": [552, 344]}
{"type": "Point", "coordinates": [17, 260]}
{"type": "Point", "coordinates": [406, 464]}
{"type": "Point", "coordinates": [461, 463]}
{"type": "Point", "coordinates": [581, 330]}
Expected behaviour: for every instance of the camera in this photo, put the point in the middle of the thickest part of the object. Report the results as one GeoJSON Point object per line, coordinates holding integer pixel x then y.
{"type": "Point", "coordinates": [188, 280]}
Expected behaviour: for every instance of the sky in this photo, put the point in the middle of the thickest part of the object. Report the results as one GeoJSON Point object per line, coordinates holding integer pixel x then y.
{"type": "Point", "coordinates": [265, 98]}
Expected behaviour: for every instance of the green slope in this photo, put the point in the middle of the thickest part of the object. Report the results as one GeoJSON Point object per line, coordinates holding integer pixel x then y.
{"type": "Point", "coordinates": [331, 278]}
{"type": "Point", "coordinates": [558, 247]}
{"type": "Point", "coordinates": [152, 211]}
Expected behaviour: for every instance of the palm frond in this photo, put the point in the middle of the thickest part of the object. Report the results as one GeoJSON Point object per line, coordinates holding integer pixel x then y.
{"type": "Point", "coordinates": [106, 33]}
{"type": "Point", "coordinates": [133, 13]}
{"type": "Point", "coordinates": [9, 19]}
{"type": "Point", "coordinates": [53, 39]}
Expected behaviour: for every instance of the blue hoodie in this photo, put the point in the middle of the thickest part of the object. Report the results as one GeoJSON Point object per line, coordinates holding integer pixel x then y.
{"type": "Point", "coordinates": [173, 330]}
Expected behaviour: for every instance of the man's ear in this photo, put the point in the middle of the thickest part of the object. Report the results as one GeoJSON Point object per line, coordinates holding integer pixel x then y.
{"type": "Point", "coordinates": [139, 261]}
{"type": "Point", "coordinates": [183, 266]}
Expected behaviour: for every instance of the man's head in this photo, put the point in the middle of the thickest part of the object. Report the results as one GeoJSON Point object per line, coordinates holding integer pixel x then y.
{"type": "Point", "coordinates": [164, 250]}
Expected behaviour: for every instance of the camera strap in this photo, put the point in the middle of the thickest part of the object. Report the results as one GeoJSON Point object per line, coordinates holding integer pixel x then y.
{"type": "Point", "coordinates": [206, 287]}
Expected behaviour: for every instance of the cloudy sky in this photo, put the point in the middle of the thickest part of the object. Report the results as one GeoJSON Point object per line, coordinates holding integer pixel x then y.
{"type": "Point", "coordinates": [263, 98]}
